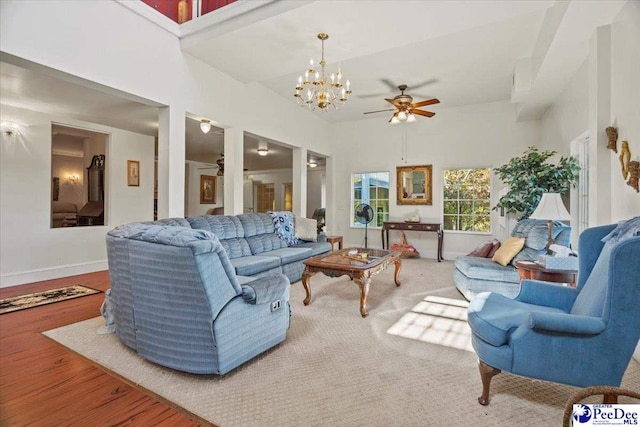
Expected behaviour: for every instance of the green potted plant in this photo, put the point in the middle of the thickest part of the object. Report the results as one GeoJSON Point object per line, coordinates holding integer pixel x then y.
{"type": "Point", "coordinates": [530, 176]}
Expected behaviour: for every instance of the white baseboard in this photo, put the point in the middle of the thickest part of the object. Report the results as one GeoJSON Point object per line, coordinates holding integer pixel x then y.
{"type": "Point", "coordinates": [13, 279]}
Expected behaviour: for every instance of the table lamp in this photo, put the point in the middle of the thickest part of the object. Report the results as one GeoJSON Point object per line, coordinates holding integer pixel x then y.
{"type": "Point", "coordinates": [552, 209]}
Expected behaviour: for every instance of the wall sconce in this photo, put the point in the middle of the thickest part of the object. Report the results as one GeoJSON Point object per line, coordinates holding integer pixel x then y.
{"type": "Point", "coordinates": [11, 128]}
{"type": "Point", "coordinates": [73, 179]}
{"type": "Point", "coordinates": [205, 125]}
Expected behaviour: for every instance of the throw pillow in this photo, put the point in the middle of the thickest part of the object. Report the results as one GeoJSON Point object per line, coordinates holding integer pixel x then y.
{"type": "Point", "coordinates": [508, 250]}
{"type": "Point", "coordinates": [284, 226]}
{"type": "Point", "coordinates": [495, 245]}
{"type": "Point", "coordinates": [482, 250]}
{"type": "Point", "coordinates": [306, 229]}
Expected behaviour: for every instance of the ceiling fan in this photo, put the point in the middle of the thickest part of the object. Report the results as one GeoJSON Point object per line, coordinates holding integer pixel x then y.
{"type": "Point", "coordinates": [405, 109]}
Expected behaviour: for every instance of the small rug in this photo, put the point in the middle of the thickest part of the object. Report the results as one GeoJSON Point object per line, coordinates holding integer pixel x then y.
{"type": "Point", "coordinates": [7, 305]}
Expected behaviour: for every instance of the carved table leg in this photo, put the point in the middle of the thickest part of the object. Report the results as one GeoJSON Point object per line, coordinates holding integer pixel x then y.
{"type": "Point", "coordinates": [306, 275]}
{"type": "Point", "coordinates": [486, 373]}
{"type": "Point", "coordinates": [398, 264]}
{"type": "Point", "coordinates": [363, 284]}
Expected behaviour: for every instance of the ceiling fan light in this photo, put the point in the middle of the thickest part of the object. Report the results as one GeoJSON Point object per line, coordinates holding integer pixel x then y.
{"type": "Point", "coordinates": [394, 120]}
{"type": "Point", "coordinates": [411, 118]}
{"type": "Point", "coordinates": [402, 116]}
{"type": "Point", "coordinates": [205, 125]}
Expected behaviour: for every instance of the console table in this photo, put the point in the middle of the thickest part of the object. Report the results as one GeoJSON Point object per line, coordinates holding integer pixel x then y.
{"type": "Point", "coordinates": [413, 226]}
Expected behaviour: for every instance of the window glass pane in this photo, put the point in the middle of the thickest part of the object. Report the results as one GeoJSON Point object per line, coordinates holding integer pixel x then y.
{"type": "Point", "coordinates": [467, 195]}
{"type": "Point", "coordinates": [372, 189]}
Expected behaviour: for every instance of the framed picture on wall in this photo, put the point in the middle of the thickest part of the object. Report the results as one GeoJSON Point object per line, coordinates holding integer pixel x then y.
{"type": "Point", "coordinates": [208, 189]}
{"type": "Point", "coordinates": [133, 173]}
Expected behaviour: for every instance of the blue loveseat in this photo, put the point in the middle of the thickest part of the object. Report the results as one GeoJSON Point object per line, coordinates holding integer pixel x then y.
{"type": "Point", "coordinates": [474, 275]}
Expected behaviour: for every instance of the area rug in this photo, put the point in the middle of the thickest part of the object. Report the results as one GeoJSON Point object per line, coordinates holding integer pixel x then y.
{"type": "Point", "coordinates": [7, 305]}
{"type": "Point", "coordinates": [407, 364]}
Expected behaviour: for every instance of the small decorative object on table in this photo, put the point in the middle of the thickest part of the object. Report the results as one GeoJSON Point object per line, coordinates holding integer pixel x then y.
{"type": "Point", "coordinates": [413, 217]}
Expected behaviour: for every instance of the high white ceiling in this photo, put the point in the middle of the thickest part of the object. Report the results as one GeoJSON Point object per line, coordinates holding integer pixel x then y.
{"type": "Point", "coordinates": [462, 52]}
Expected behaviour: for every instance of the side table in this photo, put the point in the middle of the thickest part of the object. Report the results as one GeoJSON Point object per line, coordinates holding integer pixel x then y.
{"type": "Point", "coordinates": [533, 270]}
{"type": "Point", "coordinates": [335, 239]}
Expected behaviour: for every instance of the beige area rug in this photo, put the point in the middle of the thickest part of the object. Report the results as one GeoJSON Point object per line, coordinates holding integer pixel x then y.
{"type": "Point", "coordinates": [408, 364]}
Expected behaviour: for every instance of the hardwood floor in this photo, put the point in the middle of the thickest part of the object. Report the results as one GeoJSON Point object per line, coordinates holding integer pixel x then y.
{"type": "Point", "coordinates": [44, 384]}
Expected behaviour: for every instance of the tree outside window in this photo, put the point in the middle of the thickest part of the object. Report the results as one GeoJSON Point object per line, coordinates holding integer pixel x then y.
{"type": "Point", "coordinates": [371, 188]}
{"type": "Point", "coordinates": [467, 199]}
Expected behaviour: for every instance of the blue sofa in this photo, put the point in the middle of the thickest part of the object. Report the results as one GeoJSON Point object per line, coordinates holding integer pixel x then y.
{"type": "Point", "coordinates": [175, 299]}
{"type": "Point", "coordinates": [474, 275]}
{"type": "Point", "coordinates": [255, 245]}
{"type": "Point", "coordinates": [204, 294]}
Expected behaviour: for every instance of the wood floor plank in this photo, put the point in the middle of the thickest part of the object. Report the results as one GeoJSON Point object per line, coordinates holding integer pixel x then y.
{"type": "Point", "coordinates": [43, 383]}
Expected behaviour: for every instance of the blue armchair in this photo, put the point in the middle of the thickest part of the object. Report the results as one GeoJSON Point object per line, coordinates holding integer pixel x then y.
{"type": "Point", "coordinates": [583, 336]}
{"type": "Point", "coordinates": [177, 301]}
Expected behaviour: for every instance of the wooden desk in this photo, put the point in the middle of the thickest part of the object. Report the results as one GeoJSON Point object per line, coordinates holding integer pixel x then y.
{"type": "Point", "coordinates": [532, 270]}
{"type": "Point", "coordinates": [413, 226]}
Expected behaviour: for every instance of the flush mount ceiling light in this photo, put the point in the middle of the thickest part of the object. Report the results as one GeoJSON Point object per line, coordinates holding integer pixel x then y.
{"type": "Point", "coordinates": [263, 149]}
{"type": "Point", "coordinates": [205, 125]}
{"type": "Point", "coordinates": [312, 163]}
{"type": "Point", "coordinates": [319, 90]}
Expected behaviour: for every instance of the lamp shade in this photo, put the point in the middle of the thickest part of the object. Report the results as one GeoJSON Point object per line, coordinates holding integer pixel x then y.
{"type": "Point", "coordinates": [551, 208]}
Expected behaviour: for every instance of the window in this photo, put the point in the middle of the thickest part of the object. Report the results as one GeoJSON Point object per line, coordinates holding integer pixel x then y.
{"type": "Point", "coordinates": [373, 189]}
{"type": "Point", "coordinates": [467, 200]}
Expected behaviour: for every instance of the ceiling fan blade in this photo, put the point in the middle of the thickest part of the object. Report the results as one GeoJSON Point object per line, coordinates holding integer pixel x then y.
{"type": "Point", "coordinates": [423, 103]}
{"type": "Point", "coordinates": [424, 83]}
{"type": "Point", "coordinates": [379, 111]}
{"type": "Point", "coordinates": [422, 113]}
{"type": "Point", "coordinates": [389, 83]}
{"type": "Point", "coordinates": [393, 101]}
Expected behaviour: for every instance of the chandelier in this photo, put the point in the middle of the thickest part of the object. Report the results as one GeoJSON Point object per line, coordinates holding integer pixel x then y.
{"type": "Point", "coordinates": [319, 89]}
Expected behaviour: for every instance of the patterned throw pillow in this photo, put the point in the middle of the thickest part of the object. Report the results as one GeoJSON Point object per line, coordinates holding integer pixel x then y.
{"type": "Point", "coordinates": [283, 222]}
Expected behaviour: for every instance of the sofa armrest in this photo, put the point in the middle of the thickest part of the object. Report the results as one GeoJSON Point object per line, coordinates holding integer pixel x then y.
{"type": "Point", "coordinates": [547, 294]}
{"type": "Point", "coordinates": [265, 289]}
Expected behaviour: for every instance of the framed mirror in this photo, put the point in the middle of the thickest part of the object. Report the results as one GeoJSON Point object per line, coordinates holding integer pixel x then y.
{"type": "Point", "coordinates": [414, 185]}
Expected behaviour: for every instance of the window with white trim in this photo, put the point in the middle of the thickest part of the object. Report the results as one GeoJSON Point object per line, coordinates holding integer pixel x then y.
{"type": "Point", "coordinates": [371, 188]}
{"type": "Point", "coordinates": [467, 200]}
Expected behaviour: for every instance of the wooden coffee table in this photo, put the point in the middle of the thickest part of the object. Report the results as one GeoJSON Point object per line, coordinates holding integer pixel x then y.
{"type": "Point", "coordinates": [336, 264]}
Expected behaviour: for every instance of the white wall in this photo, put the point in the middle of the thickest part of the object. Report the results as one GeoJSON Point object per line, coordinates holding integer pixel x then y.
{"type": "Point", "coordinates": [483, 135]}
{"type": "Point", "coordinates": [315, 183]}
{"type": "Point", "coordinates": [30, 249]}
{"type": "Point", "coordinates": [144, 61]}
{"type": "Point", "coordinates": [64, 167]}
{"type": "Point", "coordinates": [625, 104]}
{"type": "Point", "coordinates": [568, 117]}
{"type": "Point", "coordinates": [195, 170]}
